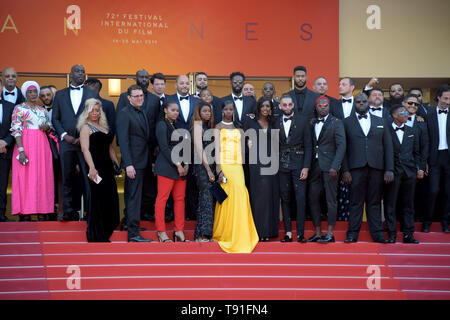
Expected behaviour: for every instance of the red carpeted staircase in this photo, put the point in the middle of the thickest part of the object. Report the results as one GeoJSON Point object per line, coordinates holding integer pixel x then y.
{"type": "Point", "coordinates": [52, 260]}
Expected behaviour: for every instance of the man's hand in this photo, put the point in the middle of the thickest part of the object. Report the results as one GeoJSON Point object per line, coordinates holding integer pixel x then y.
{"type": "Point", "coordinates": [69, 139]}
{"type": "Point", "coordinates": [304, 174]}
{"type": "Point", "coordinates": [420, 174]}
{"type": "Point", "coordinates": [3, 143]}
{"type": "Point", "coordinates": [333, 173]}
{"type": "Point", "coordinates": [372, 82]}
{"type": "Point", "coordinates": [347, 177]}
{"type": "Point", "coordinates": [388, 177]}
{"type": "Point", "coordinates": [131, 173]}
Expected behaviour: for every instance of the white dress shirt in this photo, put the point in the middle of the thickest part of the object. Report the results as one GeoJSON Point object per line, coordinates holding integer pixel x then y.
{"type": "Point", "coordinates": [400, 133]}
{"type": "Point", "coordinates": [184, 104]}
{"type": "Point", "coordinates": [287, 125]}
{"type": "Point", "coordinates": [347, 107]}
{"type": "Point", "coordinates": [364, 123]}
{"type": "Point", "coordinates": [75, 97]}
{"type": "Point", "coordinates": [9, 97]}
{"type": "Point", "coordinates": [239, 104]}
{"type": "Point", "coordinates": [1, 112]}
{"type": "Point", "coordinates": [318, 128]}
{"type": "Point", "coordinates": [442, 124]}
{"type": "Point", "coordinates": [410, 123]}
{"type": "Point", "coordinates": [378, 113]}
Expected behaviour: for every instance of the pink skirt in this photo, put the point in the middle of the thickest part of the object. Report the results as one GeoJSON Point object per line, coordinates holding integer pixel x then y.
{"type": "Point", "coordinates": [32, 184]}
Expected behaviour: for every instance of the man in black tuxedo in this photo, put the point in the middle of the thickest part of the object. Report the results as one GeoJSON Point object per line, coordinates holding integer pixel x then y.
{"type": "Point", "coordinates": [201, 84]}
{"type": "Point", "coordinates": [243, 105]}
{"type": "Point", "coordinates": [408, 166]}
{"type": "Point", "coordinates": [412, 104]}
{"type": "Point", "coordinates": [158, 83]}
{"type": "Point", "coordinates": [376, 106]}
{"type": "Point", "coordinates": [369, 158]}
{"type": "Point", "coordinates": [107, 105]}
{"type": "Point", "coordinates": [133, 133]}
{"type": "Point", "coordinates": [329, 146]}
{"type": "Point", "coordinates": [10, 92]}
{"type": "Point", "coordinates": [439, 158]}
{"type": "Point", "coordinates": [6, 149]}
{"type": "Point", "coordinates": [295, 160]}
{"type": "Point", "coordinates": [67, 107]}
{"type": "Point", "coordinates": [268, 92]}
{"type": "Point", "coordinates": [304, 99]}
{"type": "Point", "coordinates": [343, 107]}
{"type": "Point", "coordinates": [423, 107]}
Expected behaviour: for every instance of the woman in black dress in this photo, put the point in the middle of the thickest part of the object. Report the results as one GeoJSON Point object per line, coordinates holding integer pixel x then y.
{"type": "Point", "coordinates": [202, 120]}
{"type": "Point", "coordinates": [103, 203]}
{"type": "Point", "coordinates": [264, 188]}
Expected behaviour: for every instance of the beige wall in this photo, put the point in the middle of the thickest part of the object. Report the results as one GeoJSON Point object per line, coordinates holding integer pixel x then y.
{"type": "Point", "coordinates": [413, 40]}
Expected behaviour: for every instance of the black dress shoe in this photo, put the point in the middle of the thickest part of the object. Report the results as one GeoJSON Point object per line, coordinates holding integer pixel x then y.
{"type": "Point", "coordinates": [425, 228]}
{"type": "Point", "coordinates": [139, 239]}
{"type": "Point", "coordinates": [326, 239]}
{"type": "Point", "coordinates": [445, 228]}
{"type": "Point", "coordinates": [301, 239]}
{"type": "Point", "coordinates": [380, 240]}
{"type": "Point", "coordinates": [409, 239]}
{"type": "Point", "coordinates": [350, 239]}
{"type": "Point", "coordinates": [314, 238]}
{"type": "Point", "coordinates": [5, 219]}
{"type": "Point", "coordinates": [286, 239]}
{"type": "Point", "coordinates": [391, 240]}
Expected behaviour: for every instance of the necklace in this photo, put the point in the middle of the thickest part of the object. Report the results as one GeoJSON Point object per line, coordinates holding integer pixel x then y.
{"type": "Point", "coordinates": [227, 123]}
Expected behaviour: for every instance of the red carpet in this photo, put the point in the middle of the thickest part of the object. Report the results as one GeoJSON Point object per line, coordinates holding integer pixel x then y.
{"type": "Point", "coordinates": [35, 257]}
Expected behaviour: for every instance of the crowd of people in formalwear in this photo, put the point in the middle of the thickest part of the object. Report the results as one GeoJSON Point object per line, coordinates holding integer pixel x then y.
{"type": "Point", "coordinates": [336, 158]}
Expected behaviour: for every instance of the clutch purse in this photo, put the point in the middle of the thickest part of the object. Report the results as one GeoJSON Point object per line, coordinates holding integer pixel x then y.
{"type": "Point", "coordinates": [217, 192]}
{"type": "Point", "coordinates": [117, 170]}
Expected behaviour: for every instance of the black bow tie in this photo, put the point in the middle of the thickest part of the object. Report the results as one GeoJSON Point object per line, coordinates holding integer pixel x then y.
{"type": "Point", "coordinates": [363, 116]}
{"type": "Point", "coordinates": [375, 109]}
{"type": "Point", "coordinates": [75, 88]}
{"type": "Point", "coordinates": [184, 98]}
{"type": "Point", "coordinates": [346, 100]}
{"type": "Point", "coordinates": [321, 120]}
{"type": "Point", "coordinates": [400, 128]}
{"type": "Point", "coordinates": [443, 111]}
{"type": "Point", "coordinates": [11, 93]}
{"type": "Point", "coordinates": [238, 98]}
{"type": "Point", "coordinates": [287, 119]}
{"type": "Point", "coordinates": [409, 118]}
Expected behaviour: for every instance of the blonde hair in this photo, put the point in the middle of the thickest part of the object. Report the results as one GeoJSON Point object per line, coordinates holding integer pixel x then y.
{"type": "Point", "coordinates": [88, 106]}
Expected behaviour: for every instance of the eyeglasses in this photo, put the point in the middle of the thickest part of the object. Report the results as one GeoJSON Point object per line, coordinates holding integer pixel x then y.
{"type": "Point", "coordinates": [412, 103]}
{"type": "Point", "coordinates": [138, 96]}
{"type": "Point", "coordinates": [403, 113]}
{"type": "Point", "coordinates": [287, 104]}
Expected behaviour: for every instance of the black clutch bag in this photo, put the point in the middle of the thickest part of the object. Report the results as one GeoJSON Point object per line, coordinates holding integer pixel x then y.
{"type": "Point", "coordinates": [217, 192]}
{"type": "Point", "coordinates": [117, 170]}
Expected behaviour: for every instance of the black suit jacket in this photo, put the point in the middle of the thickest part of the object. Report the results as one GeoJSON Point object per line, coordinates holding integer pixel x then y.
{"type": "Point", "coordinates": [133, 136]}
{"type": "Point", "coordinates": [110, 112]}
{"type": "Point", "coordinates": [63, 117]}
{"type": "Point", "coordinates": [433, 135]}
{"type": "Point", "coordinates": [164, 165]}
{"type": "Point", "coordinates": [331, 145]}
{"type": "Point", "coordinates": [406, 154]}
{"type": "Point", "coordinates": [375, 150]}
{"type": "Point", "coordinates": [296, 147]}
{"type": "Point", "coordinates": [424, 144]}
{"type": "Point", "coordinates": [217, 104]}
{"type": "Point", "coordinates": [337, 110]}
{"type": "Point", "coordinates": [309, 105]}
{"type": "Point", "coordinates": [248, 107]}
{"type": "Point", "coordinates": [181, 122]}
{"type": "Point", "coordinates": [20, 97]}
{"type": "Point", "coordinates": [5, 133]}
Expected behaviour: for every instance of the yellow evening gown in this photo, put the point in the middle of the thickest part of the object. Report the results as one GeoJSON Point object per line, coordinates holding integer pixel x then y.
{"type": "Point", "coordinates": [234, 228]}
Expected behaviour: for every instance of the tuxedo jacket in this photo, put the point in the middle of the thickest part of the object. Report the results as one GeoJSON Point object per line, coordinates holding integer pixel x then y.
{"type": "Point", "coordinates": [375, 150]}
{"type": "Point", "coordinates": [181, 122]}
{"type": "Point", "coordinates": [337, 110]}
{"type": "Point", "coordinates": [151, 108]}
{"type": "Point", "coordinates": [163, 164]}
{"type": "Point", "coordinates": [248, 107]}
{"type": "Point", "coordinates": [406, 154]}
{"type": "Point", "coordinates": [217, 104]}
{"type": "Point", "coordinates": [134, 137]}
{"type": "Point", "coordinates": [433, 135]}
{"type": "Point", "coordinates": [296, 146]}
{"type": "Point", "coordinates": [331, 144]}
{"type": "Point", "coordinates": [309, 105]}
{"type": "Point", "coordinates": [5, 126]}
{"type": "Point", "coordinates": [110, 112]}
{"type": "Point", "coordinates": [19, 99]}
{"type": "Point", "coordinates": [422, 133]}
{"type": "Point", "coordinates": [276, 108]}
{"type": "Point", "coordinates": [64, 118]}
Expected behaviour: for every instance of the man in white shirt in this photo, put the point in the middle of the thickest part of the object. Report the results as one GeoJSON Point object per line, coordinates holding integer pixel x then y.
{"type": "Point", "coordinates": [244, 105]}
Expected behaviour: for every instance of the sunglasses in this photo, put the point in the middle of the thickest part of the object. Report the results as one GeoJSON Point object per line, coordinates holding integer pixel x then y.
{"type": "Point", "coordinates": [398, 89]}
{"type": "Point", "coordinates": [288, 104]}
{"type": "Point", "coordinates": [403, 113]}
{"type": "Point", "coordinates": [412, 103]}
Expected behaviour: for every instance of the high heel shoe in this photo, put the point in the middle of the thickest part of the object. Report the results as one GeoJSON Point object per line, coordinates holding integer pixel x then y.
{"type": "Point", "coordinates": [161, 239]}
{"type": "Point", "coordinates": [177, 238]}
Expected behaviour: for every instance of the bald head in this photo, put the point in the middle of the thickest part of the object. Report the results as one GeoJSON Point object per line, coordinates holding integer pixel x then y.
{"type": "Point", "coordinates": [78, 74]}
{"type": "Point", "coordinates": [9, 77]}
{"type": "Point", "coordinates": [143, 79]}
{"type": "Point", "coordinates": [182, 85]}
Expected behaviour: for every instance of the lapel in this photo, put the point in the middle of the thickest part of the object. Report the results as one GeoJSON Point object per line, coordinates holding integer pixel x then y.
{"type": "Point", "coordinates": [354, 119]}
{"type": "Point", "coordinates": [396, 141]}
{"type": "Point", "coordinates": [137, 120]}
{"type": "Point", "coordinates": [324, 127]}
{"type": "Point", "coordinates": [372, 124]}
{"type": "Point", "coordinates": [191, 106]}
{"type": "Point", "coordinates": [283, 135]}
{"type": "Point", "coordinates": [69, 101]}
{"type": "Point", "coordinates": [434, 123]}
{"type": "Point", "coordinates": [83, 100]}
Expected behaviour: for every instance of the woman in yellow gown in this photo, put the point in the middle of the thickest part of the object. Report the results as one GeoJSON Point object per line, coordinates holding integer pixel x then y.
{"type": "Point", "coordinates": [233, 229]}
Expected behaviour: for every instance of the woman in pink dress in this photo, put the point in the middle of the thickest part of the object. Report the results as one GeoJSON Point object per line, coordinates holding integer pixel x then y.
{"type": "Point", "coordinates": [32, 171]}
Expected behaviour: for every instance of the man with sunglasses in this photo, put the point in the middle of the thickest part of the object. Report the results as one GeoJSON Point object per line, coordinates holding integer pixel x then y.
{"type": "Point", "coordinates": [423, 107]}
{"type": "Point", "coordinates": [243, 105]}
{"type": "Point", "coordinates": [295, 159]}
{"type": "Point", "coordinates": [408, 165]}
{"type": "Point", "coordinates": [396, 92]}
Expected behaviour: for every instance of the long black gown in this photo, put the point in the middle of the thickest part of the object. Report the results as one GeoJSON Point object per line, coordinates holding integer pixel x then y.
{"type": "Point", "coordinates": [103, 209]}
{"type": "Point", "coordinates": [264, 189]}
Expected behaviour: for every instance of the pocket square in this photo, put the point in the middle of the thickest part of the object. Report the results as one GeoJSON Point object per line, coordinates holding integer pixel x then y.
{"type": "Point", "coordinates": [411, 136]}
{"type": "Point", "coordinates": [217, 192]}
{"type": "Point", "coordinates": [379, 126]}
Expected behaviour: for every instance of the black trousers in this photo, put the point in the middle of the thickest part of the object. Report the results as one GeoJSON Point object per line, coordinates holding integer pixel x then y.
{"type": "Point", "coordinates": [319, 181]}
{"type": "Point", "coordinates": [149, 192]}
{"type": "Point", "coordinates": [69, 160]}
{"type": "Point", "coordinates": [438, 173]}
{"type": "Point", "coordinates": [133, 189]}
{"type": "Point", "coordinates": [5, 167]}
{"type": "Point", "coordinates": [290, 180]}
{"type": "Point", "coordinates": [366, 187]}
{"type": "Point", "coordinates": [400, 191]}
{"type": "Point", "coordinates": [191, 199]}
